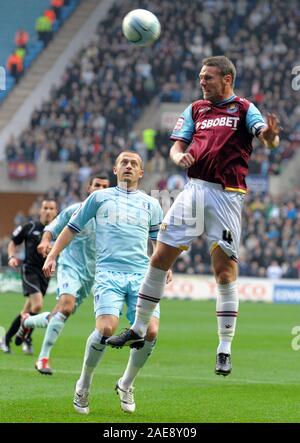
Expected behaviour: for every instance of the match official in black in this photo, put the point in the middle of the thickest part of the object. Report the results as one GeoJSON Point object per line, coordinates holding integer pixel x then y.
{"type": "Point", "coordinates": [34, 282]}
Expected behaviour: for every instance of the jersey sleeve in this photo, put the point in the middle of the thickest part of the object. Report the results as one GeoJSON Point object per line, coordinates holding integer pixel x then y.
{"type": "Point", "coordinates": [254, 120]}
{"type": "Point", "coordinates": [85, 212]}
{"type": "Point", "coordinates": [156, 219]}
{"type": "Point", "coordinates": [58, 224]}
{"type": "Point", "coordinates": [19, 234]}
{"type": "Point", "coordinates": [185, 126]}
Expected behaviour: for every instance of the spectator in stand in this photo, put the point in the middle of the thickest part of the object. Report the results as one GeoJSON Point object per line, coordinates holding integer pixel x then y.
{"type": "Point", "coordinates": [274, 270]}
{"type": "Point", "coordinates": [43, 27]}
{"type": "Point", "coordinates": [149, 140]}
{"type": "Point", "coordinates": [21, 52]}
{"type": "Point", "coordinates": [21, 38]}
{"type": "Point", "coordinates": [15, 66]}
{"type": "Point", "coordinates": [50, 13]}
{"type": "Point", "coordinates": [56, 6]}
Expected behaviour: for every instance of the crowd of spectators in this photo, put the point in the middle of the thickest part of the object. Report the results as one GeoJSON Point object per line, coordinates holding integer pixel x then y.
{"type": "Point", "coordinates": [105, 89]}
{"type": "Point", "coordinates": [90, 117]}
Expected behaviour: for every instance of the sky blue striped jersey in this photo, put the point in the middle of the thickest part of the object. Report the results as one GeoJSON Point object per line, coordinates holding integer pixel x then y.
{"type": "Point", "coordinates": [124, 222]}
{"type": "Point", "coordinates": [80, 254]}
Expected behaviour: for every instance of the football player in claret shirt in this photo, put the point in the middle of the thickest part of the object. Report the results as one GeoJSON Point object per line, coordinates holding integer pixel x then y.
{"type": "Point", "coordinates": [34, 282]}
{"type": "Point", "coordinates": [213, 141]}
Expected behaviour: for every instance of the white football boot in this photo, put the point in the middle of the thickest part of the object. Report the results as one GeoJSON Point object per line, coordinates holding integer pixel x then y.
{"type": "Point", "coordinates": [126, 398]}
{"type": "Point", "coordinates": [81, 400]}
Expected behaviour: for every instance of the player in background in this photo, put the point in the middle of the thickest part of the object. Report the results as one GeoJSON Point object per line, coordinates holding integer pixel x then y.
{"type": "Point", "coordinates": [75, 277]}
{"type": "Point", "coordinates": [213, 141]}
{"type": "Point", "coordinates": [125, 219]}
{"type": "Point", "coordinates": [34, 282]}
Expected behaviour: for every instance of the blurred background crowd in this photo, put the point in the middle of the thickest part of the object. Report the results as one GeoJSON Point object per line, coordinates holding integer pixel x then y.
{"type": "Point", "coordinates": [91, 116]}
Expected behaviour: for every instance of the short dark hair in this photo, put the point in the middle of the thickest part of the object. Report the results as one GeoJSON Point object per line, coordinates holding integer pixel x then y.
{"type": "Point", "coordinates": [128, 151]}
{"type": "Point", "coordinates": [223, 63]}
{"type": "Point", "coordinates": [100, 176]}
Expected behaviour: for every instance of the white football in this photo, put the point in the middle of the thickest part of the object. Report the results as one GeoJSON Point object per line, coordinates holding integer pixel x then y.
{"type": "Point", "coordinates": [141, 27]}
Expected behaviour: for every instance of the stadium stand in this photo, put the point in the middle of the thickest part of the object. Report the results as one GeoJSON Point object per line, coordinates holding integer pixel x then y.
{"type": "Point", "coordinates": [18, 16]}
{"type": "Point", "coordinates": [91, 116]}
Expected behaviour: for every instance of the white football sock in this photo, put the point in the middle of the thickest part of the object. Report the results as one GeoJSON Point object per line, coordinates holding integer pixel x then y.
{"type": "Point", "coordinates": [150, 293]}
{"type": "Point", "coordinates": [94, 350]}
{"type": "Point", "coordinates": [227, 310]}
{"type": "Point", "coordinates": [137, 359]}
{"type": "Point", "coordinates": [37, 321]}
{"type": "Point", "coordinates": [54, 328]}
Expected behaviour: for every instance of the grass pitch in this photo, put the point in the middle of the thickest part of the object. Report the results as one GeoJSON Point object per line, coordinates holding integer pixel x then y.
{"type": "Point", "coordinates": [178, 385]}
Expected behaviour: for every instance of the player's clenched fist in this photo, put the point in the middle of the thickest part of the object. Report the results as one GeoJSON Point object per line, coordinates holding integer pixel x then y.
{"type": "Point", "coordinates": [183, 159]}
{"type": "Point", "coordinates": [13, 262]}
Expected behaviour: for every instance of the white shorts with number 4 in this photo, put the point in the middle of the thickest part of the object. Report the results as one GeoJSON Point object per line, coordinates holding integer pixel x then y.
{"type": "Point", "coordinates": [204, 207]}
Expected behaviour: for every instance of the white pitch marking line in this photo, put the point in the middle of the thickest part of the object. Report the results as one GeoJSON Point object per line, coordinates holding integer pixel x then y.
{"type": "Point", "coordinates": [175, 377]}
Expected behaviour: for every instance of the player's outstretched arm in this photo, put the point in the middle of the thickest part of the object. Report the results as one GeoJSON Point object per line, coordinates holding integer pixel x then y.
{"type": "Point", "coordinates": [179, 156]}
{"type": "Point", "coordinates": [269, 135]}
{"type": "Point", "coordinates": [45, 245]}
{"type": "Point", "coordinates": [64, 238]}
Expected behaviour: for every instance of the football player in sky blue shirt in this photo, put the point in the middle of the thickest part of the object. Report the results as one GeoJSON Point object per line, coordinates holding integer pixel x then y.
{"type": "Point", "coordinates": [75, 276]}
{"type": "Point", "coordinates": [125, 218]}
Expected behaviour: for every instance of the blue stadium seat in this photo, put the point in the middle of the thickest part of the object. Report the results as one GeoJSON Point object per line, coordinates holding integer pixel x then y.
{"type": "Point", "coordinates": [55, 26]}
{"type": "Point", "coordinates": [10, 81]}
{"type": "Point", "coordinates": [64, 14]}
{"type": "Point", "coordinates": [34, 49]}
{"type": "Point", "coordinates": [3, 95]}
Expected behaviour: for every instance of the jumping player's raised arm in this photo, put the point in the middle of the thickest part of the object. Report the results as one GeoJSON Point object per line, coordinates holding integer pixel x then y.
{"type": "Point", "coordinates": [267, 133]}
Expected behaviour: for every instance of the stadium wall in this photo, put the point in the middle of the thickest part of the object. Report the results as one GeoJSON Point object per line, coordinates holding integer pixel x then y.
{"type": "Point", "coordinates": [47, 175]}
{"type": "Point", "coordinates": [187, 287]}
{"type": "Point", "coordinates": [12, 203]}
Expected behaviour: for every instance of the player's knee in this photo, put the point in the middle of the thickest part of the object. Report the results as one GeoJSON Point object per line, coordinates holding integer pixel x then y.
{"type": "Point", "coordinates": [160, 261]}
{"type": "Point", "coordinates": [224, 277]}
{"type": "Point", "coordinates": [67, 308]}
{"type": "Point", "coordinates": [107, 330]}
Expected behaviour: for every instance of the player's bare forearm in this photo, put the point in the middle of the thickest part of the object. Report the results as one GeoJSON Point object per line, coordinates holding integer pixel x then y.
{"type": "Point", "coordinates": [45, 245]}
{"type": "Point", "coordinates": [62, 241]}
{"type": "Point", "coordinates": [11, 249]}
{"type": "Point", "coordinates": [269, 136]}
{"type": "Point", "coordinates": [179, 156]}
{"type": "Point", "coordinates": [64, 238]}
{"type": "Point", "coordinates": [13, 261]}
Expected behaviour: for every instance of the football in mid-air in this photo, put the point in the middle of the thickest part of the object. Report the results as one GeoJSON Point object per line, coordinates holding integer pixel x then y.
{"type": "Point", "coordinates": [141, 27]}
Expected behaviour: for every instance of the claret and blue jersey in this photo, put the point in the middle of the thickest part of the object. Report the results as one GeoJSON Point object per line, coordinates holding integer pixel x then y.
{"type": "Point", "coordinates": [124, 222]}
{"type": "Point", "coordinates": [220, 139]}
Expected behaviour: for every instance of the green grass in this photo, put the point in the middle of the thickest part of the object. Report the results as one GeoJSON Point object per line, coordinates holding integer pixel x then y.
{"type": "Point", "coordinates": [178, 384]}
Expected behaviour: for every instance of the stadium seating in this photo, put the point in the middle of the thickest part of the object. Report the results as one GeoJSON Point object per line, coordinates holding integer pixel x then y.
{"type": "Point", "coordinates": [14, 14]}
